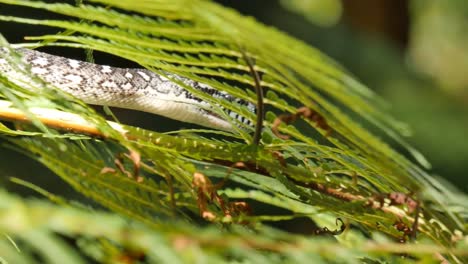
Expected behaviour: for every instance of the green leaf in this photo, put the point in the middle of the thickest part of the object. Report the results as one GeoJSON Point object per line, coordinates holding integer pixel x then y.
{"type": "Point", "coordinates": [330, 164]}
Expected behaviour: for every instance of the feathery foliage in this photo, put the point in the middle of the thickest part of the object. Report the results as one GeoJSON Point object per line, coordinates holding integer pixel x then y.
{"type": "Point", "coordinates": [324, 166]}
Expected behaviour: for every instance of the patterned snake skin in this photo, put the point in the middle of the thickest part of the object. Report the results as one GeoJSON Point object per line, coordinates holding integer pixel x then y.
{"type": "Point", "coordinates": [137, 89]}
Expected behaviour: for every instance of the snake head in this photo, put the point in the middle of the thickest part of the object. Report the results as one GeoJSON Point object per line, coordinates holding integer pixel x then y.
{"type": "Point", "coordinates": [231, 99]}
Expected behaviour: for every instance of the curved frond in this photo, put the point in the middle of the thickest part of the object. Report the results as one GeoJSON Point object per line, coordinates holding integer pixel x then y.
{"type": "Point", "coordinates": [325, 165]}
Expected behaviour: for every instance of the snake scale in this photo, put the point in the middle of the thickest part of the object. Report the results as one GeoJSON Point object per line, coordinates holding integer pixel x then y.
{"type": "Point", "coordinates": [131, 88]}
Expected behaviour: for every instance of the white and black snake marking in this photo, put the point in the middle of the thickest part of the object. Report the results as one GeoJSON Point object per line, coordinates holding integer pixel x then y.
{"type": "Point", "coordinates": [137, 89]}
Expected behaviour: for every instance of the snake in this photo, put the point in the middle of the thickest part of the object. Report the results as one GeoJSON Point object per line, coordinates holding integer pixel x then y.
{"type": "Point", "coordinates": [131, 88]}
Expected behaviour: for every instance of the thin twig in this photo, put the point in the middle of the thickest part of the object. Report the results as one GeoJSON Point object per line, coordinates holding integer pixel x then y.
{"type": "Point", "coordinates": [259, 92]}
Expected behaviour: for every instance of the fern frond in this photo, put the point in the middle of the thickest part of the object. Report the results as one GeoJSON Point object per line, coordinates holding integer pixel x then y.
{"type": "Point", "coordinates": [326, 165]}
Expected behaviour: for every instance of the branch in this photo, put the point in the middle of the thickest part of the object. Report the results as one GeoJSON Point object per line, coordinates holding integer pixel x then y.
{"type": "Point", "coordinates": [57, 119]}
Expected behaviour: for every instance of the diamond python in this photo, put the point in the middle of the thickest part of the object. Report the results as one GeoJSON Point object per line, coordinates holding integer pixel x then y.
{"type": "Point", "coordinates": [131, 88]}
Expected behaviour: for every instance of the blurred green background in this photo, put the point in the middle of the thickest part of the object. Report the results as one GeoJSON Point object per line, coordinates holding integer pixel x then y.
{"type": "Point", "coordinates": [412, 53]}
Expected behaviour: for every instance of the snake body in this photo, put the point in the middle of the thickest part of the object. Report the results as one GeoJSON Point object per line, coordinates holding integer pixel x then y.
{"type": "Point", "coordinates": [131, 88]}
